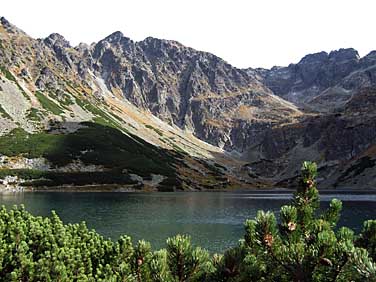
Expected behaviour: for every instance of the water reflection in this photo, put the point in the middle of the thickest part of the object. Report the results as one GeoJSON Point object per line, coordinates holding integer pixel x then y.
{"type": "Point", "coordinates": [214, 220]}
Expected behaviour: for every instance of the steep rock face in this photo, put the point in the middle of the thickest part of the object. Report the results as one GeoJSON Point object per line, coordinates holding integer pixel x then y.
{"type": "Point", "coordinates": [194, 90]}
{"type": "Point", "coordinates": [322, 81]}
{"type": "Point", "coordinates": [340, 135]}
{"type": "Point", "coordinates": [339, 142]}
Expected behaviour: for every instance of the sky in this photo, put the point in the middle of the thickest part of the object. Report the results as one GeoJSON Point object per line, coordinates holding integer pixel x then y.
{"type": "Point", "coordinates": [245, 33]}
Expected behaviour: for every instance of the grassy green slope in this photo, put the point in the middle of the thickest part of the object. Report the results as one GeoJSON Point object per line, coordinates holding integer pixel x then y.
{"type": "Point", "coordinates": [118, 153]}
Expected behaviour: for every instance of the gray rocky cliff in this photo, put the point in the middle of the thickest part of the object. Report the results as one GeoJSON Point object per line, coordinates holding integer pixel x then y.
{"type": "Point", "coordinates": [339, 142]}
{"type": "Point", "coordinates": [322, 82]}
{"type": "Point", "coordinates": [196, 91]}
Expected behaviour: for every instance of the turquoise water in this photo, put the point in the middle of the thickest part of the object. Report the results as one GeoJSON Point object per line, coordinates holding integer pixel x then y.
{"type": "Point", "coordinates": [213, 219]}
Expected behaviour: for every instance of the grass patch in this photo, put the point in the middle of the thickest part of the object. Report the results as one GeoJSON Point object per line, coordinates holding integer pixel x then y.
{"type": "Point", "coordinates": [94, 144]}
{"type": "Point", "coordinates": [108, 122]}
{"type": "Point", "coordinates": [69, 84]}
{"type": "Point", "coordinates": [8, 74]}
{"type": "Point", "coordinates": [170, 142]}
{"type": "Point", "coordinates": [116, 116]}
{"type": "Point", "coordinates": [4, 113]}
{"type": "Point", "coordinates": [26, 174]}
{"type": "Point", "coordinates": [178, 149]}
{"type": "Point", "coordinates": [65, 99]}
{"type": "Point", "coordinates": [48, 104]}
{"type": "Point", "coordinates": [156, 130]}
{"type": "Point", "coordinates": [34, 115]}
{"type": "Point", "coordinates": [19, 142]}
{"type": "Point", "coordinates": [100, 116]}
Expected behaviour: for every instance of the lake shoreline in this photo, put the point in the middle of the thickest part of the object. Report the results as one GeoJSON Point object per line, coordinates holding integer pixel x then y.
{"type": "Point", "coordinates": [113, 188]}
{"type": "Point", "coordinates": [214, 220]}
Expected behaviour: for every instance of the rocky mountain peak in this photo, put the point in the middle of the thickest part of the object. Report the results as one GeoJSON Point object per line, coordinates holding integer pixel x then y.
{"type": "Point", "coordinates": [156, 48]}
{"type": "Point", "coordinates": [56, 39]}
{"type": "Point", "coordinates": [371, 54]}
{"type": "Point", "coordinates": [8, 26]}
{"type": "Point", "coordinates": [161, 43]}
{"type": "Point", "coordinates": [344, 54]}
{"type": "Point", "coordinates": [193, 90]}
{"type": "Point", "coordinates": [4, 22]}
{"type": "Point", "coordinates": [319, 57]}
{"type": "Point", "coordinates": [335, 75]}
{"type": "Point", "coordinates": [115, 37]}
{"type": "Point", "coordinates": [82, 47]}
{"type": "Point", "coordinates": [369, 59]}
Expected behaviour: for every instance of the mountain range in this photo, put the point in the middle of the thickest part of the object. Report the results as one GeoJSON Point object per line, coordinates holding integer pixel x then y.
{"type": "Point", "coordinates": [157, 115]}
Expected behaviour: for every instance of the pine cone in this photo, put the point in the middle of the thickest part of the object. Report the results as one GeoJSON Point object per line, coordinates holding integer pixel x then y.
{"type": "Point", "coordinates": [268, 239]}
{"type": "Point", "coordinates": [291, 226]}
{"type": "Point", "coordinates": [310, 183]}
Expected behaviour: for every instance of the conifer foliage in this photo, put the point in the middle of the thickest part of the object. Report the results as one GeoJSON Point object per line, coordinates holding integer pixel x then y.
{"type": "Point", "coordinates": [302, 245]}
{"type": "Point", "coordinates": [306, 245]}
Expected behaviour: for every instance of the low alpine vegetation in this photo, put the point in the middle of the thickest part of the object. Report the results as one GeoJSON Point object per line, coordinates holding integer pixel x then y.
{"type": "Point", "coordinates": [302, 246]}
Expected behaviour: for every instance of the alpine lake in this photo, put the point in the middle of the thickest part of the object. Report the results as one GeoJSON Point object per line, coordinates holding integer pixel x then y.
{"type": "Point", "coordinates": [214, 220]}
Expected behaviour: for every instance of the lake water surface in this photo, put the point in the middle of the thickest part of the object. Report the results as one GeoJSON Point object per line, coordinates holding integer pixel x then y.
{"type": "Point", "coordinates": [213, 219]}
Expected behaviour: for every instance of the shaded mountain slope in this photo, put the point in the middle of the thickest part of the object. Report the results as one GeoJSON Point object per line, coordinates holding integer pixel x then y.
{"type": "Point", "coordinates": [342, 143]}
